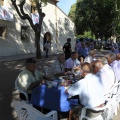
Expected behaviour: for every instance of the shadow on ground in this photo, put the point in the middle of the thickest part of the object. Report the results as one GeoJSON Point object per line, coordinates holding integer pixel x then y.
{"type": "Point", "coordinates": [8, 74]}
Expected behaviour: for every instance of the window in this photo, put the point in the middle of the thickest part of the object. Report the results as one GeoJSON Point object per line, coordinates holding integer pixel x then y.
{"type": "Point", "coordinates": [67, 22]}
{"type": "Point", "coordinates": [1, 2]}
{"type": "Point", "coordinates": [3, 31]}
{"type": "Point", "coordinates": [25, 33]}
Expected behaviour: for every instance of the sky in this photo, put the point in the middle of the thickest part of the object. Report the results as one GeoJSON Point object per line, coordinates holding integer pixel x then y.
{"type": "Point", "coordinates": [65, 5]}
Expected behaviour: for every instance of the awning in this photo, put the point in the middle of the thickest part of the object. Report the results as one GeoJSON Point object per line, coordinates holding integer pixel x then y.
{"type": "Point", "coordinates": [6, 14]}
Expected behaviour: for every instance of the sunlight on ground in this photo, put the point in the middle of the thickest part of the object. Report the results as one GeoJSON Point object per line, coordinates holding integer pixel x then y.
{"type": "Point", "coordinates": [15, 96]}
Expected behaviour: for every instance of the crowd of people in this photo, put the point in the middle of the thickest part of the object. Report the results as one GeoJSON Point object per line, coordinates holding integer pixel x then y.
{"type": "Point", "coordinates": [98, 75]}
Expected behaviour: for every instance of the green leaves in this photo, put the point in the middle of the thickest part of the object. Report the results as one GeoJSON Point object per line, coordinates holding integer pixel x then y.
{"type": "Point", "coordinates": [72, 12]}
{"type": "Point", "coordinates": [101, 17]}
{"type": "Point", "coordinates": [44, 1]}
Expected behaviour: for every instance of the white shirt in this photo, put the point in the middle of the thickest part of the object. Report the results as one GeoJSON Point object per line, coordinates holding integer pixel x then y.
{"type": "Point", "coordinates": [47, 45]}
{"type": "Point", "coordinates": [116, 67]}
{"type": "Point", "coordinates": [25, 78]}
{"type": "Point", "coordinates": [89, 89]}
{"type": "Point", "coordinates": [107, 77]}
{"type": "Point", "coordinates": [88, 59]}
{"type": "Point", "coordinates": [69, 63]}
{"type": "Point", "coordinates": [57, 67]}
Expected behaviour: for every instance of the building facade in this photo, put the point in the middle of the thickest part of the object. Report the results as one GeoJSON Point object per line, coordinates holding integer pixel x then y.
{"type": "Point", "coordinates": [17, 36]}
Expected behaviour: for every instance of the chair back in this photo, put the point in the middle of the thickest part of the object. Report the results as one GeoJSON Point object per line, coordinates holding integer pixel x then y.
{"type": "Point", "coordinates": [106, 112]}
{"type": "Point", "coordinates": [26, 111]}
{"type": "Point", "coordinates": [16, 86]}
{"type": "Point", "coordinates": [48, 71]}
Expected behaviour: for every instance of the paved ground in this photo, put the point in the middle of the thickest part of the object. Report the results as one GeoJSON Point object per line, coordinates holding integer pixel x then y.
{"type": "Point", "coordinates": [8, 73]}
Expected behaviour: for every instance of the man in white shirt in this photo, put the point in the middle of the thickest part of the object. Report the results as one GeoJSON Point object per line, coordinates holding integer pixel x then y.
{"type": "Point", "coordinates": [106, 74]}
{"type": "Point", "coordinates": [57, 67]}
{"type": "Point", "coordinates": [115, 64]}
{"type": "Point", "coordinates": [90, 57]}
{"type": "Point", "coordinates": [89, 89]}
{"type": "Point", "coordinates": [30, 78]}
{"type": "Point", "coordinates": [72, 62]}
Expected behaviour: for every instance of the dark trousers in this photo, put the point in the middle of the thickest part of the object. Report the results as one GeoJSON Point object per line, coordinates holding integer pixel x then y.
{"type": "Point", "coordinates": [47, 53]}
{"type": "Point", "coordinates": [67, 55]}
{"type": "Point", "coordinates": [22, 96]}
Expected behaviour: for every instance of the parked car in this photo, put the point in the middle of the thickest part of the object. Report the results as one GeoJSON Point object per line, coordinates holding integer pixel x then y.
{"type": "Point", "coordinates": [107, 45]}
{"type": "Point", "coordinates": [97, 45]}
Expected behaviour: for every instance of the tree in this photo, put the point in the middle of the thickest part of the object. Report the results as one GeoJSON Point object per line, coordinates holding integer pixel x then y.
{"type": "Point", "coordinates": [102, 17]}
{"type": "Point", "coordinates": [72, 12]}
{"type": "Point", "coordinates": [37, 27]}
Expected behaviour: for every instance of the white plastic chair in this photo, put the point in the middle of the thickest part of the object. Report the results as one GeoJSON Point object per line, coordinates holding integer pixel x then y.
{"type": "Point", "coordinates": [48, 71]}
{"type": "Point", "coordinates": [114, 97]}
{"type": "Point", "coordinates": [107, 113]}
{"type": "Point", "coordinates": [27, 112]}
{"type": "Point", "coordinates": [16, 86]}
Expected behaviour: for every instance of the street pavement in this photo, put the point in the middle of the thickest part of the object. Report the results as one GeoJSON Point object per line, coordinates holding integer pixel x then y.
{"type": "Point", "coordinates": [10, 67]}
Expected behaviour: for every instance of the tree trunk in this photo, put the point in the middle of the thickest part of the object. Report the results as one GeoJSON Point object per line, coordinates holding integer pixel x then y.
{"type": "Point", "coordinates": [37, 45]}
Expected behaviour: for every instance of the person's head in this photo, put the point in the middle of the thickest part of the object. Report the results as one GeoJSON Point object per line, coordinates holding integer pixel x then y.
{"type": "Point", "coordinates": [118, 56]}
{"type": "Point", "coordinates": [81, 39]}
{"type": "Point", "coordinates": [92, 53]}
{"type": "Point", "coordinates": [103, 60]}
{"type": "Point", "coordinates": [74, 55]}
{"type": "Point", "coordinates": [85, 68]}
{"type": "Point", "coordinates": [30, 64]}
{"type": "Point", "coordinates": [61, 58]}
{"type": "Point", "coordinates": [111, 57]}
{"type": "Point", "coordinates": [83, 44]}
{"type": "Point", "coordinates": [113, 49]}
{"type": "Point", "coordinates": [47, 36]}
{"type": "Point", "coordinates": [69, 40]}
{"type": "Point", "coordinates": [96, 66]}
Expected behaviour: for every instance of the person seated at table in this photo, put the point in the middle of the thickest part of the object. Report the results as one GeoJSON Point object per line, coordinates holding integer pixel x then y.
{"type": "Point", "coordinates": [83, 51]}
{"type": "Point", "coordinates": [30, 78]}
{"type": "Point", "coordinates": [90, 57]}
{"type": "Point", "coordinates": [72, 62]}
{"type": "Point", "coordinates": [115, 64]}
{"type": "Point", "coordinates": [90, 91]}
{"type": "Point", "coordinates": [57, 67]}
{"type": "Point", "coordinates": [118, 57]}
{"type": "Point", "coordinates": [106, 74]}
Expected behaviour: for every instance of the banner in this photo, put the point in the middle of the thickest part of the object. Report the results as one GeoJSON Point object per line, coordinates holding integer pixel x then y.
{"type": "Point", "coordinates": [5, 14]}
{"type": "Point", "coordinates": [35, 18]}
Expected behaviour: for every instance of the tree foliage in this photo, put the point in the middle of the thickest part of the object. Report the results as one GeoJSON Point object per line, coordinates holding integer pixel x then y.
{"type": "Point", "coordinates": [101, 17]}
{"type": "Point", "coordinates": [72, 12]}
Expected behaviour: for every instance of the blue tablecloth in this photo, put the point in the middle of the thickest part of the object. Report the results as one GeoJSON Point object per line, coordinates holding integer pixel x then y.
{"type": "Point", "coordinates": [52, 98]}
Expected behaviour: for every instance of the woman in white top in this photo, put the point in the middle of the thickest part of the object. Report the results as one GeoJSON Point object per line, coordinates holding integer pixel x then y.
{"type": "Point", "coordinates": [47, 43]}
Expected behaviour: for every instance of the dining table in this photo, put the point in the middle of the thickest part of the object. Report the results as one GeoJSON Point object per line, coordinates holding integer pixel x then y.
{"type": "Point", "coordinates": [53, 98]}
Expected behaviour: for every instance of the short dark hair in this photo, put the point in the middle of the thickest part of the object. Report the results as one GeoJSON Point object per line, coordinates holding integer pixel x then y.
{"type": "Point", "coordinates": [74, 52]}
{"type": "Point", "coordinates": [30, 60]}
{"type": "Point", "coordinates": [69, 39]}
{"type": "Point", "coordinates": [86, 64]}
{"type": "Point", "coordinates": [81, 39]}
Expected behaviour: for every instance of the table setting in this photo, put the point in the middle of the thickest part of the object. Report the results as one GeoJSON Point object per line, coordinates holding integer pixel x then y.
{"type": "Point", "coordinates": [52, 95]}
